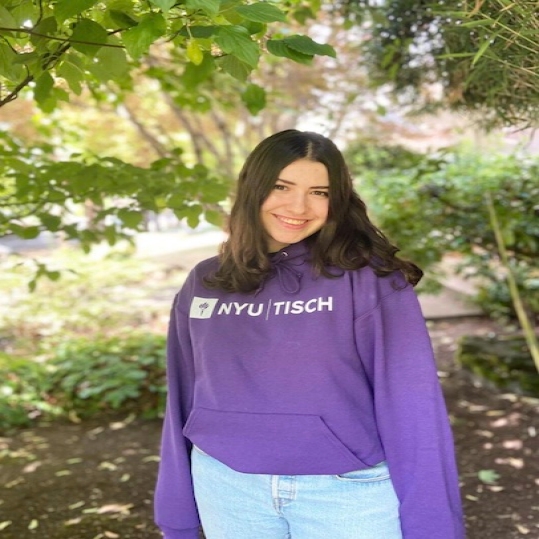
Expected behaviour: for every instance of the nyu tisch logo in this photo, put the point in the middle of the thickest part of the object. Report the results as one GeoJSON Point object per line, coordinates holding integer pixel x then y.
{"type": "Point", "coordinates": [206, 307]}
{"type": "Point", "coordinates": [202, 307]}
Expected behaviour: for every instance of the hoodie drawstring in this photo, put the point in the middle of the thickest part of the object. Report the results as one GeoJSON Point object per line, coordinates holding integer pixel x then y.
{"type": "Point", "coordinates": [289, 278]}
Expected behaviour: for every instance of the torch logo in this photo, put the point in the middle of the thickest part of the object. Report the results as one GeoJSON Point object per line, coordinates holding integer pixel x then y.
{"type": "Point", "coordinates": [202, 307]}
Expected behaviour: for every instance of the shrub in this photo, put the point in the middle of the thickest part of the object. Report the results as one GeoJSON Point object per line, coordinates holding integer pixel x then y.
{"type": "Point", "coordinates": [24, 392]}
{"type": "Point", "coordinates": [433, 205]}
{"type": "Point", "coordinates": [503, 361]}
{"type": "Point", "coordinates": [122, 371]}
{"type": "Point", "coordinates": [84, 377]}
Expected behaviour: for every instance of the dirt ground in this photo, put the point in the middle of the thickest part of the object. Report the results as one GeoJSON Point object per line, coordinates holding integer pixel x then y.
{"type": "Point", "coordinates": [94, 480]}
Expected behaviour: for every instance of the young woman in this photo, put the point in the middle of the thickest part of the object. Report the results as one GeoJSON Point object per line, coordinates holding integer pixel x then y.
{"type": "Point", "coordinates": [303, 399]}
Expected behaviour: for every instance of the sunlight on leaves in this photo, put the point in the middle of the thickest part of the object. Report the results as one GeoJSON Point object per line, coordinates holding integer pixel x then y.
{"type": "Point", "coordinates": [5, 524]}
{"type": "Point", "coordinates": [34, 523]}
{"type": "Point", "coordinates": [117, 425]}
{"type": "Point", "coordinates": [511, 419]}
{"type": "Point", "coordinates": [32, 467]}
{"type": "Point", "coordinates": [14, 483]}
{"type": "Point", "coordinates": [105, 465]}
{"type": "Point", "coordinates": [72, 521]}
{"type": "Point", "coordinates": [515, 463]}
{"type": "Point", "coordinates": [495, 413]}
{"type": "Point", "coordinates": [512, 444]}
{"type": "Point", "coordinates": [76, 505]}
{"type": "Point", "coordinates": [115, 508]}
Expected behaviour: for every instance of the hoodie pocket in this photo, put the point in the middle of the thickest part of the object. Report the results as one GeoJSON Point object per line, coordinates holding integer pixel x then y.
{"type": "Point", "coordinates": [283, 444]}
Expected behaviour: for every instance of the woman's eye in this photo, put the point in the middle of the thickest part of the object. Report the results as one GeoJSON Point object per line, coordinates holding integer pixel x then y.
{"type": "Point", "coordinates": [321, 193]}
{"type": "Point", "coordinates": [279, 187]}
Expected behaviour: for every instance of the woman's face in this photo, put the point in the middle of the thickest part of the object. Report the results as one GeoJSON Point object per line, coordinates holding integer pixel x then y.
{"type": "Point", "coordinates": [298, 204]}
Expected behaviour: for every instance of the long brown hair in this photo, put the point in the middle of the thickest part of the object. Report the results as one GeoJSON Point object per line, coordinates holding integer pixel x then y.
{"type": "Point", "coordinates": [348, 240]}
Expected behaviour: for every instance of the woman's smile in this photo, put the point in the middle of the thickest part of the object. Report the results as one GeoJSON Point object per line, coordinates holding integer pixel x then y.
{"type": "Point", "coordinates": [298, 204]}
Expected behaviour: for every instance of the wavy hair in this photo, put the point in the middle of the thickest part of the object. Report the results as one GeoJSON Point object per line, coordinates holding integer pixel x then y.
{"type": "Point", "coordinates": [348, 240]}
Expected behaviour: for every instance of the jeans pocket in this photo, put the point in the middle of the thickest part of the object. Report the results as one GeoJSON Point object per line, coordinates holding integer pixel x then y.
{"type": "Point", "coordinates": [377, 473]}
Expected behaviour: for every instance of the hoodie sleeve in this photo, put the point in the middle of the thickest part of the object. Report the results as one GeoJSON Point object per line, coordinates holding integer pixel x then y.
{"type": "Point", "coordinates": [175, 509]}
{"type": "Point", "coordinates": [395, 348]}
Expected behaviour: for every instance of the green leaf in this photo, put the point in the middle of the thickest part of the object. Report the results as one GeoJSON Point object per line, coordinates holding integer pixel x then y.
{"type": "Point", "coordinates": [304, 13]}
{"type": "Point", "coordinates": [261, 12]}
{"type": "Point", "coordinates": [24, 11]}
{"type": "Point", "coordinates": [130, 218]}
{"type": "Point", "coordinates": [43, 87]}
{"type": "Point", "coordinates": [47, 27]}
{"type": "Point", "coordinates": [6, 19]}
{"type": "Point", "coordinates": [194, 52]}
{"type": "Point", "coordinates": [64, 9]}
{"type": "Point", "coordinates": [235, 40]}
{"type": "Point", "coordinates": [25, 232]}
{"type": "Point", "coordinates": [9, 67]}
{"type": "Point", "coordinates": [91, 34]}
{"type": "Point", "coordinates": [235, 67]}
{"type": "Point", "coordinates": [164, 5]}
{"type": "Point", "coordinates": [137, 40]}
{"type": "Point", "coordinates": [278, 47]}
{"type": "Point", "coordinates": [122, 19]}
{"type": "Point", "coordinates": [210, 7]}
{"type": "Point", "coordinates": [26, 58]}
{"type": "Point", "coordinates": [214, 217]}
{"type": "Point", "coordinates": [306, 45]}
{"type": "Point", "coordinates": [196, 74]}
{"type": "Point", "coordinates": [53, 275]}
{"type": "Point", "coordinates": [73, 75]}
{"type": "Point", "coordinates": [50, 222]}
{"type": "Point", "coordinates": [254, 98]}
{"type": "Point", "coordinates": [111, 64]}
{"type": "Point", "coordinates": [197, 31]}
{"type": "Point", "coordinates": [484, 47]}
{"type": "Point", "coordinates": [49, 104]}
{"type": "Point", "coordinates": [191, 213]}
{"type": "Point", "coordinates": [488, 476]}
{"type": "Point", "coordinates": [254, 27]}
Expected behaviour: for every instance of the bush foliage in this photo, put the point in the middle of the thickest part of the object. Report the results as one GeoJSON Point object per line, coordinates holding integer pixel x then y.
{"type": "Point", "coordinates": [77, 347]}
{"type": "Point", "coordinates": [434, 205]}
{"type": "Point", "coordinates": [84, 377]}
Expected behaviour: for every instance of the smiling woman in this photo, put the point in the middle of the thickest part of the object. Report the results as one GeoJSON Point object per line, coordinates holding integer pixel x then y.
{"type": "Point", "coordinates": [303, 398]}
{"type": "Point", "coordinates": [298, 205]}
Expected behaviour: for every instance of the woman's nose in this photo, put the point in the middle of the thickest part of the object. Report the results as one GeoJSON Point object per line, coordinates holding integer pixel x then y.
{"type": "Point", "coordinates": [297, 203]}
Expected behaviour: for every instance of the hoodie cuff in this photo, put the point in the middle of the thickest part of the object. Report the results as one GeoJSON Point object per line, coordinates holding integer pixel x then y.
{"type": "Point", "coordinates": [171, 533]}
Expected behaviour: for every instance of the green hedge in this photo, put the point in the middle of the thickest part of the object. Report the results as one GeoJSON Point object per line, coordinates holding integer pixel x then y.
{"type": "Point", "coordinates": [503, 361]}
{"type": "Point", "coordinates": [431, 205]}
{"type": "Point", "coordinates": [83, 377]}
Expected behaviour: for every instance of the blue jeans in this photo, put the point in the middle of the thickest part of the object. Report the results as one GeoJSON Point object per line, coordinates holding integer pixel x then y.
{"type": "Point", "coordinates": [355, 505]}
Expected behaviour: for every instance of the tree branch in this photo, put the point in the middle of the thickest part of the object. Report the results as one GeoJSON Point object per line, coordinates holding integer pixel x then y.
{"type": "Point", "coordinates": [145, 133]}
{"type": "Point", "coordinates": [62, 39]}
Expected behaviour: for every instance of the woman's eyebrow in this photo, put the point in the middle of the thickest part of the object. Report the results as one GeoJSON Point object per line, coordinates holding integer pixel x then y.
{"type": "Point", "coordinates": [310, 187]}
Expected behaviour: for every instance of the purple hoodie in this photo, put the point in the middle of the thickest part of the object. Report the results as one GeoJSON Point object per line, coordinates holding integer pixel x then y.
{"type": "Point", "coordinates": [309, 375]}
